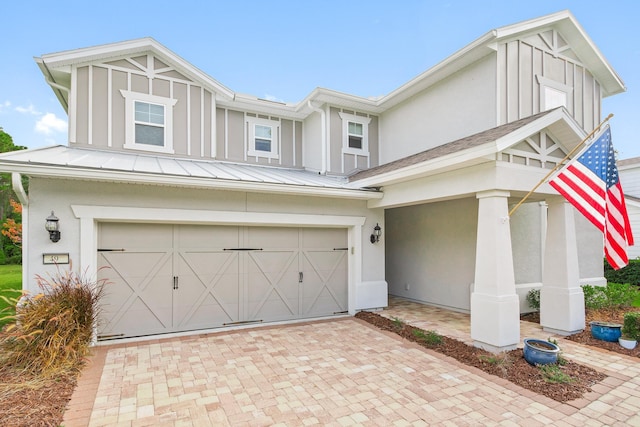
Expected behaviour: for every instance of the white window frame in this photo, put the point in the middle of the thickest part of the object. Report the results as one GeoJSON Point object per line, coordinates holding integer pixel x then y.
{"type": "Point", "coordinates": [130, 122]}
{"type": "Point", "coordinates": [550, 93]}
{"type": "Point", "coordinates": [364, 121]}
{"type": "Point", "coordinates": [252, 122]}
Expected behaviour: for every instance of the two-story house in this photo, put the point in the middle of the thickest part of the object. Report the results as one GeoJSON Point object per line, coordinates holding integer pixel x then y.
{"type": "Point", "coordinates": [213, 209]}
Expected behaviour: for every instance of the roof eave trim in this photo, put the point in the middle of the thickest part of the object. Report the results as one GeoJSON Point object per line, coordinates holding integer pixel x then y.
{"type": "Point", "coordinates": [547, 120]}
{"type": "Point", "coordinates": [429, 167]}
{"type": "Point", "coordinates": [146, 44]}
{"type": "Point", "coordinates": [458, 60]}
{"type": "Point", "coordinates": [188, 181]}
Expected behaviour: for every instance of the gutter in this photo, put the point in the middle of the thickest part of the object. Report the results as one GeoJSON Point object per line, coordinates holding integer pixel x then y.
{"type": "Point", "coordinates": [323, 118]}
{"type": "Point", "coordinates": [189, 181]}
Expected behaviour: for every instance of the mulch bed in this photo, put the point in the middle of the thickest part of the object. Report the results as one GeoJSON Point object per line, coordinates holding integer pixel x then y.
{"type": "Point", "coordinates": [27, 401]}
{"type": "Point", "coordinates": [510, 365]}
{"type": "Point", "coordinates": [585, 338]}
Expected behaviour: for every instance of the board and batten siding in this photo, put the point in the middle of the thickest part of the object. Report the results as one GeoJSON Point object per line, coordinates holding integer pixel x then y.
{"type": "Point", "coordinates": [526, 65]}
{"type": "Point", "coordinates": [347, 163]}
{"type": "Point", "coordinates": [201, 129]}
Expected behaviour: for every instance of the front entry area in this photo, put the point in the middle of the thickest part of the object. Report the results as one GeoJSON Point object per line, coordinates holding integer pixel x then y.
{"type": "Point", "coordinates": [165, 278]}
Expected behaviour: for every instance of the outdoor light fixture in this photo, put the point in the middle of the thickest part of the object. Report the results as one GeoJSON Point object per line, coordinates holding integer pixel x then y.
{"type": "Point", "coordinates": [52, 227]}
{"type": "Point", "coordinates": [377, 232]}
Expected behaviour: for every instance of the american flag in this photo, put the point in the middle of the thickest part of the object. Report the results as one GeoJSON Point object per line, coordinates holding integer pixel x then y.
{"type": "Point", "coordinates": [591, 184]}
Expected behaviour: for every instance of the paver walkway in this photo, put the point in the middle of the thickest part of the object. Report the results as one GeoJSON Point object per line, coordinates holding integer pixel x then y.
{"type": "Point", "coordinates": [341, 372]}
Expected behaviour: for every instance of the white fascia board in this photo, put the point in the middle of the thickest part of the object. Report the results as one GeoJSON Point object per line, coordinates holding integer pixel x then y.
{"type": "Point", "coordinates": [475, 155]}
{"type": "Point", "coordinates": [460, 59]}
{"type": "Point", "coordinates": [536, 126]}
{"type": "Point", "coordinates": [187, 181]}
{"type": "Point", "coordinates": [191, 216]}
{"type": "Point", "coordinates": [580, 42]}
{"type": "Point", "coordinates": [531, 24]}
{"type": "Point", "coordinates": [632, 203]}
{"type": "Point", "coordinates": [630, 165]}
{"type": "Point", "coordinates": [321, 96]}
{"type": "Point", "coordinates": [252, 104]}
{"type": "Point", "coordinates": [64, 60]}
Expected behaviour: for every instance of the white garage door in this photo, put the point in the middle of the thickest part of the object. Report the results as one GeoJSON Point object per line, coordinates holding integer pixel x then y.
{"type": "Point", "coordinates": [172, 278]}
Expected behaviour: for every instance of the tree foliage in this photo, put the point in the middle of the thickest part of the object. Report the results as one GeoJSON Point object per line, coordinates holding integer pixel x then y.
{"type": "Point", "coordinates": [10, 210]}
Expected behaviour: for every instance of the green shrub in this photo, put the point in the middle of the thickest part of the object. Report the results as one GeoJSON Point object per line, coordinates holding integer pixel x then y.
{"type": "Point", "coordinates": [631, 326]}
{"type": "Point", "coordinates": [594, 297]}
{"type": "Point", "coordinates": [614, 295]}
{"type": "Point", "coordinates": [533, 299]}
{"type": "Point", "coordinates": [629, 274]}
{"type": "Point", "coordinates": [552, 373]}
{"type": "Point", "coordinates": [51, 331]}
{"type": "Point", "coordinates": [620, 295]}
{"type": "Point", "coordinates": [428, 337]}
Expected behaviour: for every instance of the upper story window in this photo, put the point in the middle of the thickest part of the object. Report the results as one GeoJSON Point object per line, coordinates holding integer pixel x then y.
{"type": "Point", "coordinates": [355, 134]}
{"type": "Point", "coordinates": [149, 122]}
{"type": "Point", "coordinates": [262, 137]}
{"type": "Point", "coordinates": [553, 94]}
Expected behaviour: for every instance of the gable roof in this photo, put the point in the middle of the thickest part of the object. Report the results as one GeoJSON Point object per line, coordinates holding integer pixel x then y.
{"type": "Point", "coordinates": [113, 166]}
{"type": "Point", "coordinates": [474, 149]}
{"type": "Point", "coordinates": [56, 68]}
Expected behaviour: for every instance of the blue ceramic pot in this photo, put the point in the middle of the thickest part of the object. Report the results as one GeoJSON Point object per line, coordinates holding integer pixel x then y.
{"type": "Point", "coordinates": [540, 352]}
{"type": "Point", "coordinates": [606, 331]}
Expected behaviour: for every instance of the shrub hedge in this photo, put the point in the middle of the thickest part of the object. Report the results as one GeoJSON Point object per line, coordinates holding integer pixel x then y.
{"type": "Point", "coordinates": [629, 274]}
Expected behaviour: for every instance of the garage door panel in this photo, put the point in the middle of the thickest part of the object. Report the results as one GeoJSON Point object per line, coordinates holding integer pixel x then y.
{"type": "Point", "coordinates": [272, 285]}
{"type": "Point", "coordinates": [272, 237]}
{"type": "Point", "coordinates": [137, 296]}
{"type": "Point", "coordinates": [324, 291]}
{"type": "Point", "coordinates": [328, 238]}
{"type": "Point", "coordinates": [207, 237]}
{"type": "Point", "coordinates": [115, 235]}
{"type": "Point", "coordinates": [208, 291]}
{"type": "Point", "coordinates": [146, 321]}
{"type": "Point", "coordinates": [172, 278]}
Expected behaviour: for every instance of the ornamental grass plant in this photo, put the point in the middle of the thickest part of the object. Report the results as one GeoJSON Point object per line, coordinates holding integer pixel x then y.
{"type": "Point", "coordinates": [51, 332]}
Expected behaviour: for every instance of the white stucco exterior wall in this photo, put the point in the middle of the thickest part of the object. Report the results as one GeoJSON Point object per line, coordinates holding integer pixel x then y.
{"type": "Point", "coordinates": [461, 105]}
{"type": "Point", "coordinates": [431, 252]}
{"type": "Point", "coordinates": [183, 205]}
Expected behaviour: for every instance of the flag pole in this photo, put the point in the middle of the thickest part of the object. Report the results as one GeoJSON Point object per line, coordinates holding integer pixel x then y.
{"type": "Point", "coordinates": [552, 171]}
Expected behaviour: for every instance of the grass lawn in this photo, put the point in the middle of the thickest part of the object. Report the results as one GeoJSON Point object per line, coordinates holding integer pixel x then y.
{"type": "Point", "coordinates": [10, 279]}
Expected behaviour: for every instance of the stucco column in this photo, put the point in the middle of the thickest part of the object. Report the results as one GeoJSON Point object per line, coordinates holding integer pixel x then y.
{"type": "Point", "coordinates": [495, 308]}
{"type": "Point", "coordinates": [561, 297]}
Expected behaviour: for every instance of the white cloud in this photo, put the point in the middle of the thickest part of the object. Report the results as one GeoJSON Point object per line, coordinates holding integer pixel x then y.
{"type": "Point", "coordinates": [28, 110]}
{"type": "Point", "coordinates": [4, 105]}
{"type": "Point", "coordinates": [49, 123]}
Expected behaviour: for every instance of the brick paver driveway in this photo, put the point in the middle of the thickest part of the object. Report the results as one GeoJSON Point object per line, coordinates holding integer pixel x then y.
{"type": "Point", "coordinates": [340, 372]}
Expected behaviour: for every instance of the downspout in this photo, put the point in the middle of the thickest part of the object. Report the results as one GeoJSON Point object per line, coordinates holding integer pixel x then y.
{"type": "Point", "coordinates": [323, 119]}
{"type": "Point", "coordinates": [16, 182]}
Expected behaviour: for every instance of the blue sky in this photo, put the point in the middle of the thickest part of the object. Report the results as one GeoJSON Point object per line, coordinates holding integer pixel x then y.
{"type": "Point", "coordinates": [284, 49]}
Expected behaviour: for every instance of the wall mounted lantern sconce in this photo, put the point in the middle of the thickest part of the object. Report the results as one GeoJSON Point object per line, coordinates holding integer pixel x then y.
{"type": "Point", "coordinates": [52, 227]}
{"type": "Point", "coordinates": [377, 232]}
